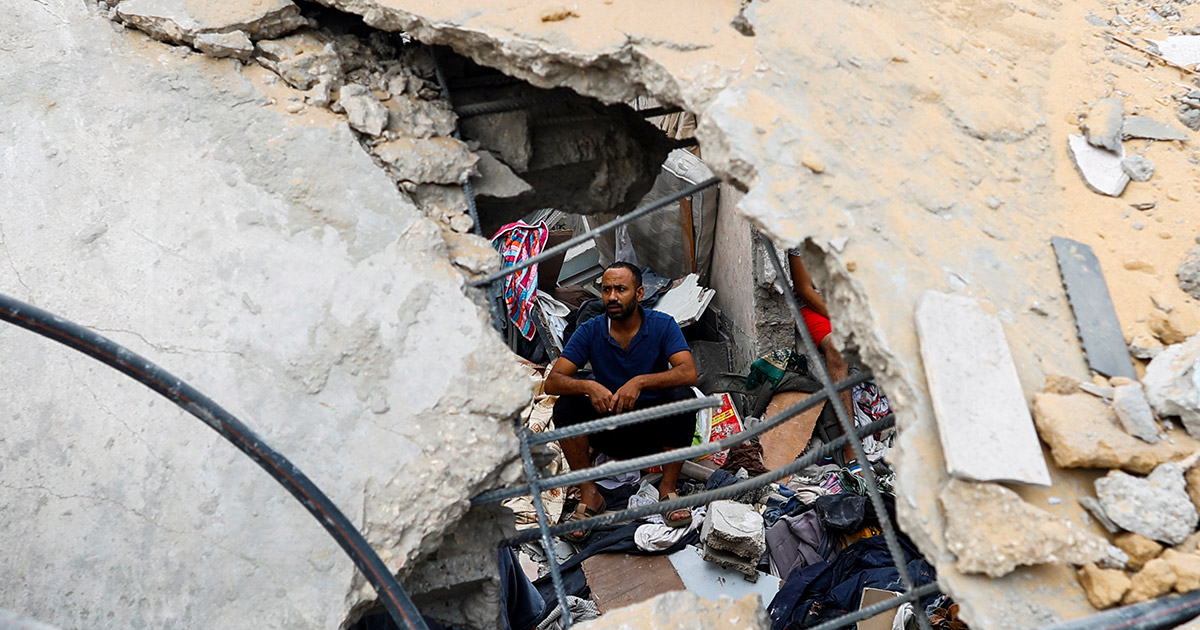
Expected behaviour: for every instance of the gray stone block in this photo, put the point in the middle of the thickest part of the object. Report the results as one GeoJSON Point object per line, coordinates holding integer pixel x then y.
{"type": "Point", "coordinates": [1132, 409]}
{"type": "Point", "coordinates": [1156, 506]}
{"type": "Point", "coordinates": [736, 528]}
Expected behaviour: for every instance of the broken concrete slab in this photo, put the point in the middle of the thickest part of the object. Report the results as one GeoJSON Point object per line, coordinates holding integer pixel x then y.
{"type": "Point", "coordinates": [684, 610]}
{"type": "Point", "coordinates": [1138, 168]}
{"type": "Point", "coordinates": [1083, 432]}
{"type": "Point", "coordinates": [1188, 273]}
{"type": "Point", "coordinates": [236, 44]}
{"type": "Point", "coordinates": [1172, 383]}
{"type": "Point", "coordinates": [1133, 410]}
{"type": "Point", "coordinates": [1103, 124]}
{"type": "Point", "coordinates": [258, 259]}
{"type": "Point", "coordinates": [1149, 129]}
{"type": "Point", "coordinates": [181, 21]}
{"type": "Point", "coordinates": [992, 530]}
{"type": "Point", "coordinates": [495, 179]}
{"type": "Point", "coordinates": [1180, 49]}
{"type": "Point", "coordinates": [302, 59]}
{"type": "Point", "coordinates": [1104, 587]}
{"type": "Point", "coordinates": [429, 160]}
{"type": "Point", "coordinates": [1100, 168]}
{"type": "Point", "coordinates": [1157, 506]}
{"type": "Point", "coordinates": [734, 527]}
{"type": "Point", "coordinates": [984, 423]}
{"type": "Point", "coordinates": [363, 110]}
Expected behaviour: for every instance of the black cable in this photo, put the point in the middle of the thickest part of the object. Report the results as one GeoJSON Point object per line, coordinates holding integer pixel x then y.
{"type": "Point", "coordinates": [112, 354]}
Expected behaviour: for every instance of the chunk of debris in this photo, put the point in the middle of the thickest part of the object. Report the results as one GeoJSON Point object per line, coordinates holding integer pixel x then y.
{"type": "Point", "coordinates": [1100, 168]}
{"type": "Point", "coordinates": [1188, 273]}
{"type": "Point", "coordinates": [363, 109]}
{"type": "Point", "coordinates": [1132, 409]}
{"type": "Point", "coordinates": [419, 118]}
{"type": "Point", "coordinates": [1183, 50]}
{"type": "Point", "coordinates": [1095, 316]}
{"type": "Point", "coordinates": [433, 160]}
{"type": "Point", "coordinates": [684, 610]}
{"type": "Point", "coordinates": [495, 179]}
{"type": "Point", "coordinates": [302, 59]}
{"type": "Point", "coordinates": [1097, 511]}
{"type": "Point", "coordinates": [1104, 587]}
{"type": "Point", "coordinates": [1138, 168]}
{"type": "Point", "coordinates": [734, 537]}
{"type": "Point", "coordinates": [181, 21]}
{"type": "Point", "coordinates": [1154, 580]}
{"type": "Point", "coordinates": [1083, 432]}
{"type": "Point", "coordinates": [686, 302]}
{"type": "Point", "coordinates": [1149, 129]}
{"type": "Point", "coordinates": [1139, 549]}
{"type": "Point", "coordinates": [1145, 347]}
{"type": "Point", "coordinates": [1104, 122]}
{"type": "Point", "coordinates": [236, 44]}
{"type": "Point", "coordinates": [984, 423]}
{"type": "Point", "coordinates": [812, 162]}
{"type": "Point", "coordinates": [991, 530]}
{"type": "Point", "coordinates": [1156, 506]}
{"type": "Point", "coordinates": [1060, 384]}
{"type": "Point", "coordinates": [1172, 383]}
{"type": "Point", "coordinates": [1099, 391]}
{"type": "Point", "coordinates": [1186, 567]}
{"type": "Point", "coordinates": [1189, 116]}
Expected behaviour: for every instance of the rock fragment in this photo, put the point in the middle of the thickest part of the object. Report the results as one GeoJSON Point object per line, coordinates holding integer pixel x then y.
{"type": "Point", "coordinates": [1138, 168]}
{"type": "Point", "coordinates": [1145, 347]}
{"type": "Point", "coordinates": [1157, 506]}
{"type": "Point", "coordinates": [1186, 567]}
{"type": "Point", "coordinates": [1188, 273]}
{"type": "Point", "coordinates": [1060, 384]}
{"type": "Point", "coordinates": [1172, 383]}
{"type": "Point", "coordinates": [1094, 508]}
{"type": "Point", "coordinates": [1149, 129]}
{"type": "Point", "coordinates": [1083, 432]}
{"type": "Point", "coordinates": [495, 179]}
{"type": "Point", "coordinates": [302, 59]}
{"type": "Point", "coordinates": [684, 610]}
{"type": "Point", "coordinates": [734, 537]}
{"type": "Point", "coordinates": [236, 44]}
{"type": "Point", "coordinates": [1139, 549]}
{"type": "Point", "coordinates": [363, 109]}
{"type": "Point", "coordinates": [1104, 587]}
{"type": "Point", "coordinates": [431, 160]}
{"type": "Point", "coordinates": [181, 21]}
{"type": "Point", "coordinates": [1132, 409]}
{"type": "Point", "coordinates": [1104, 122]}
{"type": "Point", "coordinates": [991, 530]}
{"type": "Point", "coordinates": [1100, 168]}
{"type": "Point", "coordinates": [1154, 580]}
{"type": "Point", "coordinates": [419, 118]}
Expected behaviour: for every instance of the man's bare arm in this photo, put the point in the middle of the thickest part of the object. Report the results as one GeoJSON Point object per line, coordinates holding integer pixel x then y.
{"type": "Point", "coordinates": [562, 382]}
{"type": "Point", "coordinates": [681, 374]}
{"type": "Point", "coordinates": [803, 285]}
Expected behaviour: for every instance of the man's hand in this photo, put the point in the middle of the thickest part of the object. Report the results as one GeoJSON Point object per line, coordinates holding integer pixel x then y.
{"type": "Point", "coordinates": [625, 397]}
{"type": "Point", "coordinates": [602, 399]}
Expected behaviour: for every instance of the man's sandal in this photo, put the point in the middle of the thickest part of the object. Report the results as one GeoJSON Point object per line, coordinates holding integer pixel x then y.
{"type": "Point", "coordinates": [681, 517]}
{"type": "Point", "coordinates": [581, 512]}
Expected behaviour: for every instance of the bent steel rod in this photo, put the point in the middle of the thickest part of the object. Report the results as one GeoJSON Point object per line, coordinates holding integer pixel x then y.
{"type": "Point", "coordinates": [586, 236]}
{"type": "Point", "coordinates": [142, 370]}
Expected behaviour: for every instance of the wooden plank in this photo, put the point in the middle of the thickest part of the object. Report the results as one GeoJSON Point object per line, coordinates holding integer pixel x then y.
{"type": "Point", "coordinates": [782, 444]}
{"type": "Point", "coordinates": [619, 579]}
{"type": "Point", "coordinates": [688, 229]}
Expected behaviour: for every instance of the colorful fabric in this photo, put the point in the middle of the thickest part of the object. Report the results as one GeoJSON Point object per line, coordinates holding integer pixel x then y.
{"type": "Point", "coordinates": [517, 242]}
{"type": "Point", "coordinates": [771, 367]}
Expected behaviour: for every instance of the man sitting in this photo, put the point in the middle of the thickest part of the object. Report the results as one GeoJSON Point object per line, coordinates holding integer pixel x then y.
{"type": "Point", "coordinates": [639, 359]}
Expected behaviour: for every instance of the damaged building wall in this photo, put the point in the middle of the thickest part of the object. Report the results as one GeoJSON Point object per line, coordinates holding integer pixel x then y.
{"type": "Point", "coordinates": [172, 202]}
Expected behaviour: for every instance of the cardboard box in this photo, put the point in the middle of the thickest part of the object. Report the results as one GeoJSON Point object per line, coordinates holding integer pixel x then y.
{"type": "Point", "coordinates": [882, 621]}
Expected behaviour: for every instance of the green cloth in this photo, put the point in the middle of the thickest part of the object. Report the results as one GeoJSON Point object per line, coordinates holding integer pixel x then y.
{"type": "Point", "coordinates": [771, 367]}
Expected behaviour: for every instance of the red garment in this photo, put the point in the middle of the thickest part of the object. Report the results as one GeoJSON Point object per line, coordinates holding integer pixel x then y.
{"type": "Point", "coordinates": [818, 325]}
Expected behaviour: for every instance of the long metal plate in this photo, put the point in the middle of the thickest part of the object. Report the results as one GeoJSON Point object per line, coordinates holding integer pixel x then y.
{"type": "Point", "coordinates": [1095, 317]}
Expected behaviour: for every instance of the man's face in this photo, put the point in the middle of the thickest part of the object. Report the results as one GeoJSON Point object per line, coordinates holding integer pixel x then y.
{"type": "Point", "coordinates": [620, 295]}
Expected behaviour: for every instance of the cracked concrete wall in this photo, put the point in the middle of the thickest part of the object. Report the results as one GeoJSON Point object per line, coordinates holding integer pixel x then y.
{"type": "Point", "coordinates": [918, 158]}
{"type": "Point", "coordinates": [162, 199]}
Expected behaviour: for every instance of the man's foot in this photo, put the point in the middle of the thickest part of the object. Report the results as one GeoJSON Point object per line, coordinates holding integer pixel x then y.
{"type": "Point", "coordinates": [681, 517]}
{"type": "Point", "coordinates": [582, 511]}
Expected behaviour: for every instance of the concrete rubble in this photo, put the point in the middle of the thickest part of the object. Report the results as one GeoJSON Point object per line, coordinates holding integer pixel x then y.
{"type": "Point", "coordinates": [1104, 587]}
{"type": "Point", "coordinates": [734, 537]}
{"type": "Point", "coordinates": [1103, 124]}
{"type": "Point", "coordinates": [1100, 168]}
{"type": "Point", "coordinates": [1132, 409]}
{"type": "Point", "coordinates": [1138, 548]}
{"type": "Point", "coordinates": [1138, 168]}
{"type": "Point", "coordinates": [1188, 273]}
{"type": "Point", "coordinates": [1147, 128]}
{"type": "Point", "coordinates": [1157, 506]}
{"type": "Point", "coordinates": [991, 530]}
{"type": "Point", "coordinates": [1172, 383]}
{"type": "Point", "coordinates": [182, 21]}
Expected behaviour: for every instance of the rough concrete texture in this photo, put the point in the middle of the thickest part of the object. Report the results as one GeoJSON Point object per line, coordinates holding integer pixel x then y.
{"type": "Point", "coordinates": [992, 531]}
{"type": "Point", "coordinates": [736, 528]}
{"type": "Point", "coordinates": [1149, 129]}
{"type": "Point", "coordinates": [1172, 383]}
{"type": "Point", "coordinates": [159, 199]}
{"type": "Point", "coordinates": [1152, 581]}
{"type": "Point", "coordinates": [1133, 410]}
{"type": "Point", "coordinates": [1083, 432]}
{"type": "Point", "coordinates": [363, 110]}
{"type": "Point", "coordinates": [1104, 587]}
{"type": "Point", "coordinates": [684, 610]}
{"type": "Point", "coordinates": [302, 59]}
{"type": "Point", "coordinates": [1157, 506]}
{"type": "Point", "coordinates": [1188, 273]}
{"type": "Point", "coordinates": [1103, 124]}
{"type": "Point", "coordinates": [1138, 168]}
{"type": "Point", "coordinates": [181, 21]}
{"type": "Point", "coordinates": [1186, 567]}
{"type": "Point", "coordinates": [1139, 549]}
{"type": "Point", "coordinates": [1097, 511]}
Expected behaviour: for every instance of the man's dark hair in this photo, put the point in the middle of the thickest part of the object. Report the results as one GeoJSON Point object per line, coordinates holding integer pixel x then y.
{"type": "Point", "coordinates": [637, 273]}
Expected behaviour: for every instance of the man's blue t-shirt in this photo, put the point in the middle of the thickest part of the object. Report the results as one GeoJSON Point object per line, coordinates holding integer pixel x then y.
{"type": "Point", "coordinates": [658, 338]}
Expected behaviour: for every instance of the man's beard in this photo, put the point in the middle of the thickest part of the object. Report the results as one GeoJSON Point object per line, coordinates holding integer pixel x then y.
{"type": "Point", "coordinates": [624, 313]}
